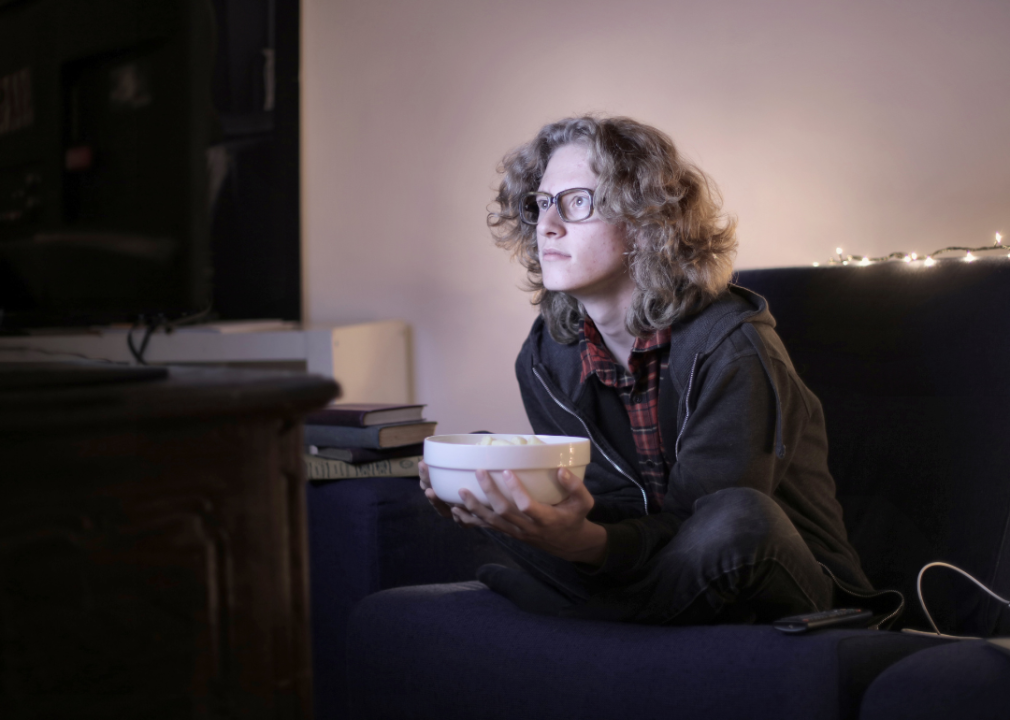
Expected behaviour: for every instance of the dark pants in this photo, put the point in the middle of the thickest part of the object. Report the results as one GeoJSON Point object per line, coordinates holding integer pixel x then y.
{"type": "Point", "coordinates": [737, 558]}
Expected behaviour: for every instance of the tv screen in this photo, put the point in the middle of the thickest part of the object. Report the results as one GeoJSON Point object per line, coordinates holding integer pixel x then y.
{"type": "Point", "coordinates": [106, 118]}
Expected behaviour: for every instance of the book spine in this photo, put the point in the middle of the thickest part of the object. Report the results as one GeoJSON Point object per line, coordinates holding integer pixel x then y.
{"type": "Point", "coordinates": [330, 417]}
{"type": "Point", "coordinates": [317, 468]}
{"type": "Point", "coordinates": [356, 456]}
{"type": "Point", "coordinates": [340, 436]}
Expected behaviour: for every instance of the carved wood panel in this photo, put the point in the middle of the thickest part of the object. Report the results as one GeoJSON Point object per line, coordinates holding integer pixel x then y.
{"type": "Point", "coordinates": [114, 617]}
{"type": "Point", "coordinates": [155, 568]}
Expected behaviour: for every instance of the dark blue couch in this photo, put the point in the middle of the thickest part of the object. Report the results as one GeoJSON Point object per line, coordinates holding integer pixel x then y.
{"type": "Point", "coordinates": [912, 365]}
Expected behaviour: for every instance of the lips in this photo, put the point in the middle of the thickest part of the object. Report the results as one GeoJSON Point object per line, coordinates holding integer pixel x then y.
{"type": "Point", "coordinates": [551, 254]}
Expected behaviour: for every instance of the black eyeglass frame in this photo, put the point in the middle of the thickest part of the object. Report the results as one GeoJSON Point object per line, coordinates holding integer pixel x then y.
{"type": "Point", "coordinates": [554, 201]}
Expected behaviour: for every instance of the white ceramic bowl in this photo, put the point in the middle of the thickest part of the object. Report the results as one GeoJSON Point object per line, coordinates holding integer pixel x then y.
{"type": "Point", "coordinates": [453, 460]}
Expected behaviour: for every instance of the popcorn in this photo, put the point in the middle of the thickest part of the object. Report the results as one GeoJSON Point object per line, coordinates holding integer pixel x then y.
{"type": "Point", "coordinates": [514, 440]}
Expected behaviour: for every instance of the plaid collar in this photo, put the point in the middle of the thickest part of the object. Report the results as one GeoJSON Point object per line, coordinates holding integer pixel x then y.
{"type": "Point", "coordinates": [596, 356]}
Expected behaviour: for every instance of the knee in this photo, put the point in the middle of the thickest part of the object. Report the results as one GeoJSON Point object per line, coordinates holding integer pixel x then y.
{"type": "Point", "coordinates": [745, 519]}
{"type": "Point", "coordinates": [738, 505]}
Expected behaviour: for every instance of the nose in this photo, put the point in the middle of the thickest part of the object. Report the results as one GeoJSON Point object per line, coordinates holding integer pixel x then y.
{"type": "Point", "coordinates": [550, 224]}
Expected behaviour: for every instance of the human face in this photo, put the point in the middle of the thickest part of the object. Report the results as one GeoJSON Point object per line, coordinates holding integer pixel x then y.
{"type": "Point", "coordinates": [584, 259]}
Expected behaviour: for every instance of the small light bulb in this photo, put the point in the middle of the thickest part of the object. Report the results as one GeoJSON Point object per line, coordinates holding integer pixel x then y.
{"type": "Point", "coordinates": [969, 257]}
{"type": "Point", "coordinates": [915, 256]}
{"type": "Point", "coordinates": [907, 258]}
{"type": "Point", "coordinates": [930, 261]}
{"type": "Point", "coordinates": [999, 238]}
{"type": "Point", "coordinates": [817, 264]}
{"type": "Point", "coordinates": [839, 251]}
{"type": "Point", "coordinates": [865, 261]}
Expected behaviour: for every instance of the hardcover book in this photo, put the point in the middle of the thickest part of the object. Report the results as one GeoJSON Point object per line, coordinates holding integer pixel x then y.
{"type": "Point", "coordinates": [364, 414]}
{"type": "Point", "coordinates": [365, 455]}
{"type": "Point", "coordinates": [376, 436]}
{"type": "Point", "coordinates": [317, 468]}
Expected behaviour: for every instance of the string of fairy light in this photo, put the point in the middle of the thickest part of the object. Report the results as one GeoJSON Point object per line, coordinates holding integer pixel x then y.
{"type": "Point", "coordinates": [927, 260]}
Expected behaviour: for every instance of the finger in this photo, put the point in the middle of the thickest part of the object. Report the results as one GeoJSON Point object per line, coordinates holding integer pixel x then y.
{"type": "Point", "coordinates": [569, 480]}
{"type": "Point", "coordinates": [573, 483]}
{"type": "Point", "coordinates": [470, 502]}
{"type": "Point", "coordinates": [578, 493]}
{"type": "Point", "coordinates": [436, 502]}
{"type": "Point", "coordinates": [467, 519]}
{"type": "Point", "coordinates": [422, 470]}
{"type": "Point", "coordinates": [439, 505]}
{"type": "Point", "coordinates": [488, 515]}
{"type": "Point", "coordinates": [522, 500]}
{"type": "Point", "coordinates": [498, 502]}
{"type": "Point", "coordinates": [496, 499]}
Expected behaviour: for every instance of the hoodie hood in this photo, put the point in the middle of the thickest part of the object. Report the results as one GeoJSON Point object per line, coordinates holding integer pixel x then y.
{"type": "Point", "coordinates": [700, 334]}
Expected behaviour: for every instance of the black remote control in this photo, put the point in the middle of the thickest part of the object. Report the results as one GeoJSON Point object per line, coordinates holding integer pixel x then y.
{"type": "Point", "coordinates": [815, 621]}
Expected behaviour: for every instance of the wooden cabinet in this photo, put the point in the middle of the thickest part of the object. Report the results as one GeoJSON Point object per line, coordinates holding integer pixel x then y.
{"type": "Point", "coordinates": [153, 556]}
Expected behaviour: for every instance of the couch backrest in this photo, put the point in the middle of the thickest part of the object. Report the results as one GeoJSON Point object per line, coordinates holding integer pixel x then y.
{"type": "Point", "coordinates": [912, 365]}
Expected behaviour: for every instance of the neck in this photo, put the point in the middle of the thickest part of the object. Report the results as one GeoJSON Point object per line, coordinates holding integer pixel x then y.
{"type": "Point", "coordinates": [609, 316]}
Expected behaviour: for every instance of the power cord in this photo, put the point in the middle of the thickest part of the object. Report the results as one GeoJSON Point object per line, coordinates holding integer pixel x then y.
{"type": "Point", "coordinates": [152, 324]}
{"type": "Point", "coordinates": [922, 602]}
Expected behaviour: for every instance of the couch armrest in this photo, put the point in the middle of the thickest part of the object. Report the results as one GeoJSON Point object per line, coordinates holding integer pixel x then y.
{"type": "Point", "coordinates": [367, 535]}
{"type": "Point", "coordinates": [957, 680]}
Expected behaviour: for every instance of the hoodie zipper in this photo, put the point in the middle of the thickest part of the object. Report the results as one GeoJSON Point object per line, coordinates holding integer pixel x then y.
{"type": "Point", "coordinates": [645, 499]}
{"type": "Point", "coordinates": [687, 408]}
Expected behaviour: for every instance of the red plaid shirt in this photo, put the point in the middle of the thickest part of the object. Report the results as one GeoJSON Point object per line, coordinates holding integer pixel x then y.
{"type": "Point", "coordinates": [639, 391]}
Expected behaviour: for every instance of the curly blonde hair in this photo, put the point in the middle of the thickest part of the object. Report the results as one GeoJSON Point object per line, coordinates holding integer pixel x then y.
{"type": "Point", "coordinates": [682, 246]}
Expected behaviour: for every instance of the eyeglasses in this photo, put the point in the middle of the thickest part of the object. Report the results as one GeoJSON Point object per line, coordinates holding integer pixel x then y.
{"type": "Point", "coordinates": [574, 205]}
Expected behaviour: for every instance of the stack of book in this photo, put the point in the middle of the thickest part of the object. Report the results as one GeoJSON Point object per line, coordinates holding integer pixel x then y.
{"type": "Point", "coordinates": [356, 440]}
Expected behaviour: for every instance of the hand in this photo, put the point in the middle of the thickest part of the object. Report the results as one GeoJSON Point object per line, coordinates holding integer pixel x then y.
{"type": "Point", "coordinates": [560, 530]}
{"type": "Point", "coordinates": [442, 508]}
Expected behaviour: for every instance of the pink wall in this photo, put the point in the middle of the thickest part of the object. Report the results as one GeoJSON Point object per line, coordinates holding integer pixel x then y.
{"type": "Point", "coordinates": [871, 125]}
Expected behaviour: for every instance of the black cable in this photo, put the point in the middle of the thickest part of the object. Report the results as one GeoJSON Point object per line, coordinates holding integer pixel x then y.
{"type": "Point", "coordinates": [151, 325]}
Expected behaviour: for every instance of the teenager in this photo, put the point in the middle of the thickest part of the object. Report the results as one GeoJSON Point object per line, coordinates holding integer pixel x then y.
{"type": "Point", "coordinates": [708, 498]}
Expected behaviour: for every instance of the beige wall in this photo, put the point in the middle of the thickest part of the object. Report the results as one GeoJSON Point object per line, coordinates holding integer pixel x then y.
{"type": "Point", "coordinates": [875, 126]}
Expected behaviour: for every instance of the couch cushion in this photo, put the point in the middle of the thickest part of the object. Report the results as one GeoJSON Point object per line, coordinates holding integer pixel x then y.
{"type": "Point", "coordinates": [968, 679]}
{"type": "Point", "coordinates": [461, 651]}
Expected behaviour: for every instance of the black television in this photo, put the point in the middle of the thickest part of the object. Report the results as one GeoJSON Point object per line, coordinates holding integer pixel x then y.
{"type": "Point", "coordinates": [144, 165]}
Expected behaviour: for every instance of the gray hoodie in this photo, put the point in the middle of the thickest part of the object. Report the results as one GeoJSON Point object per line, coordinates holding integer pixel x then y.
{"type": "Point", "coordinates": [733, 413]}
